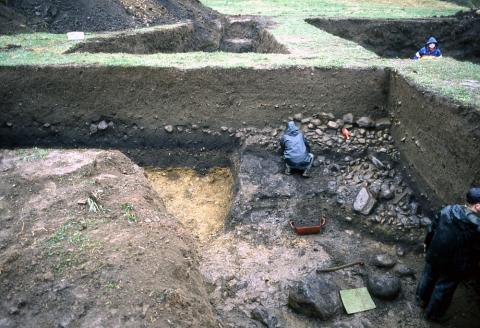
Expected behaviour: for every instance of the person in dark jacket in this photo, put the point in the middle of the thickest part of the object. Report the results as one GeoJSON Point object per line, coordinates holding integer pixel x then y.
{"type": "Point", "coordinates": [453, 254]}
{"type": "Point", "coordinates": [296, 150]}
{"type": "Point", "coordinates": [430, 50]}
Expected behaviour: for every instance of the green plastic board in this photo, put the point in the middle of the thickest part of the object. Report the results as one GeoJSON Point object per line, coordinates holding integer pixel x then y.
{"type": "Point", "coordinates": [356, 300]}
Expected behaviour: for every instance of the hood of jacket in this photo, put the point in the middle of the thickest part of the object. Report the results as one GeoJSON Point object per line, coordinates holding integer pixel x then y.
{"type": "Point", "coordinates": [431, 40]}
{"type": "Point", "coordinates": [291, 129]}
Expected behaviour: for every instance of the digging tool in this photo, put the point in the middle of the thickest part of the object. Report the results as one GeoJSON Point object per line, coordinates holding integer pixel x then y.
{"type": "Point", "coordinates": [340, 267]}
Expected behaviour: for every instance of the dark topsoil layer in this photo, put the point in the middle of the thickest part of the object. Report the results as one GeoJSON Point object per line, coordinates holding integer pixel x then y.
{"type": "Point", "coordinates": [61, 16]}
{"type": "Point", "coordinates": [458, 35]}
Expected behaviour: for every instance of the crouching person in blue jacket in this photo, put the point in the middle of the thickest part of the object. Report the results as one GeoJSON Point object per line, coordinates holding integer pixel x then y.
{"type": "Point", "coordinates": [296, 150]}
{"type": "Point", "coordinates": [453, 254]}
{"type": "Point", "coordinates": [431, 50]}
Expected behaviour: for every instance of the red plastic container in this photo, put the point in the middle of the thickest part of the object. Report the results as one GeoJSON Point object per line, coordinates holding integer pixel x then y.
{"type": "Point", "coordinates": [308, 230]}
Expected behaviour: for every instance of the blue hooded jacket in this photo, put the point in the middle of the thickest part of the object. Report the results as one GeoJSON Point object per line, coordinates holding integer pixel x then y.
{"type": "Point", "coordinates": [425, 51]}
{"type": "Point", "coordinates": [295, 146]}
{"type": "Point", "coordinates": [453, 241]}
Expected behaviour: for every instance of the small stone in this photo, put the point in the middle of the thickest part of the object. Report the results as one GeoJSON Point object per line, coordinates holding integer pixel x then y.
{"type": "Point", "coordinates": [365, 122]}
{"type": "Point", "coordinates": [111, 125]}
{"type": "Point", "coordinates": [194, 127]}
{"type": "Point", "coordinates": [168, 128]}
{"type": "Point", "coordinates": [224, 128]}
{"type": "Point", "coordinates": [329, 116]}
{"type": "Point", "coordinates": [386, 192]}
{"type": "Point", "coordinates": [93, 128]}
{"type": "Point", "coordinates": [348, 118]}
{"type": "Point", "coordinates": [46, 125]}
{"type": "Point", "coordinates": [319, 132]}
{"type": "Point", "coordinates": [385, 286]}
{"type": "Point", "coordinates": [262, 315]}
{"type": "Point", "coordinates": [403, 271]}
{"type": "Point", "coordinates": [383, 260]}
{"type": "Point", "coordinates": [375, 161]}
{"type": "Point", "coordinates": [364, 202]}
{"type": "Point", "coordinates": [314, 297]}
{"type": "Point", "coordinates": [316, 122]}
{"type": "Point", "coordinates": [298, 117]}
{"type": "Point", "coordinates": [400, 251]}
{"type": "Point", "coordinates": [82, 202]}
{"type": "Point", "coordinates": [311, 126]}
{"type": "Point", "coordinates": [375, 188]}
{"type": "Point", "coordinates": [362, 141]}
{"type": "Point", "coordinates": [425, 222]}
{"type": "Point", "coordinates": [332, 125]}
{"type": "Point", "coordinates": [103, 125]}
{"type": "Point", "coordinates": [305, 120]}
{"type": "Point", "coordinates": [179, 128]}
{"type": "Point", "coordinates": [348, 219]}
{"type": "Point", "coordinates": [9, 124]}
{"type": "Point", "coordinates": [383, 123]}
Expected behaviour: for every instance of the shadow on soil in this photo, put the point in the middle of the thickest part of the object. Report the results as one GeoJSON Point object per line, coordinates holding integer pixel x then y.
{"type": "Point", "coordinates": [392, 38]}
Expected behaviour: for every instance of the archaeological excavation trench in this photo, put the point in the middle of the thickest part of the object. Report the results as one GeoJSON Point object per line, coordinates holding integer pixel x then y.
{"type": "Point", "coordinates": [208, 142]}
{"type": "Point", "coordinates": [401, 38]}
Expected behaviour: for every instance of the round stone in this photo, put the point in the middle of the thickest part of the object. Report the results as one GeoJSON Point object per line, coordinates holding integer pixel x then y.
{"type": "Point", "coordinates": [384, 286]}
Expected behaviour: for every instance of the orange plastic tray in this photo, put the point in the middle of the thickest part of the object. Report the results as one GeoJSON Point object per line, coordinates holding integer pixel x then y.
{"type": "Point", "coordinates": [309, 230]}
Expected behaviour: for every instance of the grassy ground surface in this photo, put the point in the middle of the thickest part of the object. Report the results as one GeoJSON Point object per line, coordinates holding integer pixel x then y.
{"type": "Point", "coordinates": [308, 45]}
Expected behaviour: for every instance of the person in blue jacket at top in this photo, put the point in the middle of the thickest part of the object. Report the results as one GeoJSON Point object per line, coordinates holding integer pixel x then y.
{"type": "Point", "coordinates": [430, 50]}
{"type": "Point", "coordinates": [296, 150]}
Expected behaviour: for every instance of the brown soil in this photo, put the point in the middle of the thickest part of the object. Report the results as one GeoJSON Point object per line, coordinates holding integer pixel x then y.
{"type": "Point", "coordinates": [438, 141]}
{"type": "Point", "coordinates": [126, 264]}
{"type": "Point", "coordinates": [12, 22]}
{"type": "Point", "coordinates": [457, 34]}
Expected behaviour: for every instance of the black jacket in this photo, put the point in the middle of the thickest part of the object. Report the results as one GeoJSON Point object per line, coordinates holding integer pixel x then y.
{"type": "Point", "coordinates": [453, 241]}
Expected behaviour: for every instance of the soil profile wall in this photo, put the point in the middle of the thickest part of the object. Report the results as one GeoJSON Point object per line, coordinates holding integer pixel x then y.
{"type": "Point", "coordinates": [58, 105]}
{"type": "Point", "coordinates": [438, 140]}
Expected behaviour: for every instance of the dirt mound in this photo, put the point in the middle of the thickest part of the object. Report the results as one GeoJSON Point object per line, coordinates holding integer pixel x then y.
{"type": "Point", "coordinates": [391, 38]}
{"type": "Point", "coordinates": [11, 22]}
{"type": "Point", "coordinates": [61, 16]}
{"type": "Point", "coordinates": [105, 15]}
{"type": "Point", "coordinates": [93, 246]}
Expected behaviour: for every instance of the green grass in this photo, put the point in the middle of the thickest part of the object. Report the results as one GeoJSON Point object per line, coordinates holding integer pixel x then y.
{"type": "Point", "coordinates": [32, 154]}
{"type": "Point", "coordinates": [308, 45]}
{"type": "Point", "coordinates": [332, 8]}
{"type": "Point", "coordinates": [129, 212]}
{"type": "Point", "coordinates": [69, 245]}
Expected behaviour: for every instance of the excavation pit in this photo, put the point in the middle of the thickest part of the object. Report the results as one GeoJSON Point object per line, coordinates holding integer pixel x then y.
{"type": "Point", "coordinates": [402, 38]}
{"type": "Point", "coordinates": [236, 35]}
{"type": "Point", "coordinates": [187, 124]}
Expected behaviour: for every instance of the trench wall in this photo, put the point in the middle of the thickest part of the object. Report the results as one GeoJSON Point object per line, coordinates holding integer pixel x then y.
{"type": "Point", "coordinates": [438, 140]}
{"type": "Point", "coordinates": [56, 106]}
